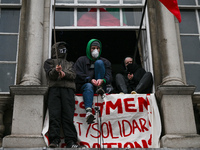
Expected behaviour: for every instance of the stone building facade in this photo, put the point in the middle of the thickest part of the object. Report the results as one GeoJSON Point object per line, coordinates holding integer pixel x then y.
{"type": "Point", "coordinates": [162, 50]}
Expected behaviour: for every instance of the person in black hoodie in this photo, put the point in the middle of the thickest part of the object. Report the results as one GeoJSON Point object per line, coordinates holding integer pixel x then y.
{"type": "Point", "coordinates": [61, 101]}
{"type": "Point", "coordinates": [134, 79]}
{"type": "Point", "coordinates": [93, 75]}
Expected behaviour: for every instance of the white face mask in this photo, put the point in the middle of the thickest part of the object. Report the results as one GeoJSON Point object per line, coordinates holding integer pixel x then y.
{"type": "Point", "coordinates": [95, 53]}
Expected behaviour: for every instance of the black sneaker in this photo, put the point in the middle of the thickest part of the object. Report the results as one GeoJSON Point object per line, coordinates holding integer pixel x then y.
{"type": "Point", "coordinates": [54, 145]}
{"type": "Point", "coordinates": [100, 91]}
{"type": "Point", "coordinates": [72, 144]}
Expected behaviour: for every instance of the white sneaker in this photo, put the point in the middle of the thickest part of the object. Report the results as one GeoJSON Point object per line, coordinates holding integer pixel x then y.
{"type": "Point", "coordinates": [89, 117]}
{"type": "Point", "coordinates": [133, 92]}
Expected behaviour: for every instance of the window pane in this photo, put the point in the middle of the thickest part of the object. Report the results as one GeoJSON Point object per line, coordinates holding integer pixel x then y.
{"type": "Point", "coordinates": [9, 20]}
{"type": "Point", "coordinates": [109, 1]}
{"type": "Point", "coordinates": [199, 14]}
{"type": "Point", "coordinates": [193, 75]}
{"type": "Point", "coordinates": [64, 1]}
{"type": "Point", "coordinates": [64, 17]}
{"type": "Point", "coordinates": [8, 47]}
{"type": "Point", "coordinates": [186, 2]}
{"type": "Point", "coordinates": [7, 76]}
{"type": "Point", "coordinates": [132, 17]}
{"type": "Point", "coordinates": [10, 1]}
{"type": "Point", "coordinates": [190, 46]}
{"type": "Point", "coordinates": [189, 23]}
{"type": "Point", "coordinates": [87, 17]}
{"type": "Point", "coordinates": [132, 1]}
{"type": "Point", "coordinates": [109, 17]}
{"type": "Point", "coordinates": [87, 1]}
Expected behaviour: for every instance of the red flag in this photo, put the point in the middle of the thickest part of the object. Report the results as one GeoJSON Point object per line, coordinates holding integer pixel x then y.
{"type": "Point", "coordinates": [172, 6]}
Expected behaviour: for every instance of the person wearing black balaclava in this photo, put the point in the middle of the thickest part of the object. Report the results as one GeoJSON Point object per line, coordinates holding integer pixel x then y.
{"type": "Point", "coordinates": [93, 75]}
{"type": "Point", "coordinates": [134, 79]}
{"type": "Point", "coordinates": [61, 100]}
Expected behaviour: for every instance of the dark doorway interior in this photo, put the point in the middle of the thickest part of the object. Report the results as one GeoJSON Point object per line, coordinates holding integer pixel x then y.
{"type": "Point", "coordinates": [116, 45]}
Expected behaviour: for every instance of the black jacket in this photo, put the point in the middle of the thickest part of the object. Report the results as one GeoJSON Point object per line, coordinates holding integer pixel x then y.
{"type": "Point", "coordinates": [84, 72]}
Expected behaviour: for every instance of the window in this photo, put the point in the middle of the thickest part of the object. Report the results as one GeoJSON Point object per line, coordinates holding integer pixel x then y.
{"type": "Point", "coordinates": [98, 13]}
{"type": "Point", "coordinates": [114, 22]}
{"type": "Point", "coordinates": [9, 31]}
{"type": "Point", "coordinates": [190, 39]}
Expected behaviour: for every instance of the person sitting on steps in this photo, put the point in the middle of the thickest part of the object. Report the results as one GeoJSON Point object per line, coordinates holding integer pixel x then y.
{"type": "Point", "coordinates": [134, 79]}
{"type": "Point", "coordinates": [93, 74]}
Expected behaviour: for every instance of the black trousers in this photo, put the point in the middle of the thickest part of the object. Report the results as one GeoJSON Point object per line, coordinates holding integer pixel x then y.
{"type": "Point", "coordinates": [61, 105]}
{"type": "Point", "coordinates": [144, 86]}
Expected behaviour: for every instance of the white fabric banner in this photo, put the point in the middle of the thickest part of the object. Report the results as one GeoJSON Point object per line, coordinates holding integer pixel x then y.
{"type": "Point", "coordinates": [122, 121]}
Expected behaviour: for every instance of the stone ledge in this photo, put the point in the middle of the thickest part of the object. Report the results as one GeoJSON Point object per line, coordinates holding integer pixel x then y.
{"type": "Point", "coordinates": [28, 90]}
{"type": "Point", "coordinates": [23, 141]}
{"type": "Point", "coordinates": [181, 141]}
{"type": "Point", "coordinates": [174, 90]}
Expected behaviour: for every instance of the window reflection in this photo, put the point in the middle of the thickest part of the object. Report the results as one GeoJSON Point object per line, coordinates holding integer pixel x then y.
{"type": "Point", "coordinates": [132, 1]}
{"type": "Point", "coordinates": [109, 17]}
{"type": "Point", "coordinates": [8, 47]}
{"type": "Point", "coordinates": [10, 1]}
{"type": "Point", "coordinates": [87, 1]}
{"type": "Point", "coordinates": [64, 17]}
{"type": "Point", "coordinates": [132, 17]}
{"type": "Point", "coordinates": [9, 20]}
{"type": "Point", "coordinates": [189, 23]}
{"type": "Point", "coordinates": [186, 2]}
{"type": "Point", "coordinates": [192, 75]}
{"type": "Point", "coordinates": [191, 52]}
{"type": "Point", "coordinates": [64, 1]}
{"type": "Point", "coordinates": [109, 1]}
{"type": "Point", "coordinates": [87, 17]}
{"type": "Point", "coordinates": [7, 76]}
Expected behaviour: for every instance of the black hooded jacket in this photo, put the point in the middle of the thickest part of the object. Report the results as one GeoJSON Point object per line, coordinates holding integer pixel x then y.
{"type": "Point", "coordinates": [137, 71]}
{"type": "Point", "coordinates": [67, 67]}
{"type": "Point", "coordinates": [83, 67]}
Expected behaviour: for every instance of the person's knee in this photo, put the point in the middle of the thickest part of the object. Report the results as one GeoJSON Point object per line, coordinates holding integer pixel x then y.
{"type": "Point", "coordinates": [149, 75]}
{"type": "Point", "coordinates": [98, 63]}
{"type": "Point", "coordinates": [119, 76]}
{"type": "Point", "coordinates": [88, 86]}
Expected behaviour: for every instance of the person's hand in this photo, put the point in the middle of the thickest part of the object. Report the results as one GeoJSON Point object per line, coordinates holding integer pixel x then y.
{"type": "Point", "coordinates": [94, 82]}
{"type": "Point", "coordinates": [130, 76]}
{"type": "Point", "coordinates": [58, 68]}
{"type": "Point", "coordinates": [99, 82]}
{"type": "Point", "coordinates": [61, 74]}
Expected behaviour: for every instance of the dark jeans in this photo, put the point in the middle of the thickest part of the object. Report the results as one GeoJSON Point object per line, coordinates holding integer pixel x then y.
{"type": "Point", "coordinates": [144, 86]}
{"type": "Point", "coordinates": [61, 105]}
{"type": "Point", "coordinates": [88, 89]}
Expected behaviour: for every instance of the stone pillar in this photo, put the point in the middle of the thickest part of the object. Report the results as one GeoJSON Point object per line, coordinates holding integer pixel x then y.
{"type": "Point", "coordinates": [169, 48]}
{"type": "Point", "coordinates": [34, 43]}
{"type": "Point", "coordinates": [174, 96]}
{"type": "Point", "coordinates": [179, 128]}
{"type": "Point", "coordinates": [28, 115]}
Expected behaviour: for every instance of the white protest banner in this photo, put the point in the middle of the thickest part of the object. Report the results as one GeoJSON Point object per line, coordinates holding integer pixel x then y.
{"type": "Point", "coordinates": [122, 121]}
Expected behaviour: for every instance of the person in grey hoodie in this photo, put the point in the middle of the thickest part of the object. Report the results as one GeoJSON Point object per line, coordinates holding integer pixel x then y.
{"type": "Point", "coordinates": [61, 101]}
{"type": "Point", "coordinates": [93, 74]}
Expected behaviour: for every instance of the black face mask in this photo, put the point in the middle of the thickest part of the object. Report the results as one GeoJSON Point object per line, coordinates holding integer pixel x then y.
{"type": "Point", "coordinates": [62, 52]}
{"type": "Point", "coordinates": [131, 68]}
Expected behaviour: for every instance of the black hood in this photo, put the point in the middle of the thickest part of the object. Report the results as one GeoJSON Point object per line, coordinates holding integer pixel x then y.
{"type": "Point", "coordinates": [132, 68]}
{"type": "Point", "coordinates": [57, 46]}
